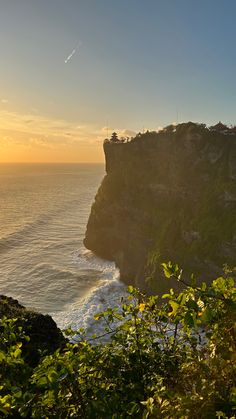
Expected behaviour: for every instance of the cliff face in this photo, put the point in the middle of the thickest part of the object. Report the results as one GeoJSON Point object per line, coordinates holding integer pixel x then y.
{"type": "Point", "coordinates": [168, 194]}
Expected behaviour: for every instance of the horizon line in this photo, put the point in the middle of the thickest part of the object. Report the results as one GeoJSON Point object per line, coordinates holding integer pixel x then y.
{"type": "Point", "coordinates": [48, 162]}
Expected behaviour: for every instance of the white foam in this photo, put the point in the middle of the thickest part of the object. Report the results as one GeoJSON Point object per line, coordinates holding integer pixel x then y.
{"type": "Point", "coordinates": [107, 292]}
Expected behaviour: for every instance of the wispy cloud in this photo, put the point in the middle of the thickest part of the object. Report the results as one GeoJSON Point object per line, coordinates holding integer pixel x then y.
{"type": "Point", "coordinates": [4, 101]}
{"type": "Point", "coordinates": [31, 123]}
{"type": "Point", "coordinates": [53, 132]}
{"type": "Point", "coordinates": [73, 52]}
{"type": "Point", "coordinates": [52, 139]}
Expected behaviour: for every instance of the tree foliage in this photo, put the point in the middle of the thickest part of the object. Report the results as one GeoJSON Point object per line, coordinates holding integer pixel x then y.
{"type": "Point", "coordinates": [169, 357]}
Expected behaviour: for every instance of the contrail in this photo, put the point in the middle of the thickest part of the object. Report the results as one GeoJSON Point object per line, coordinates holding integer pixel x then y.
{"type": "Point", "coordinates": [73, 52]}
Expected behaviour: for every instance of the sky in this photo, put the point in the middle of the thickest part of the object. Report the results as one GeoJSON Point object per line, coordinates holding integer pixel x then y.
{"type": "Point", "coordinates": [74, 71]}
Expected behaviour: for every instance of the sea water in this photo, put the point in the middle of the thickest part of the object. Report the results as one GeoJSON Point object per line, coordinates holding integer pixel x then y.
{"type": "Point", "coordinates": [44, 209]}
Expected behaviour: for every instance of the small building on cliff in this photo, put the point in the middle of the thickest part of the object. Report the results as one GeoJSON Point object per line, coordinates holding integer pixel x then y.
{"type": "Point", "coordinates": [222, 128]}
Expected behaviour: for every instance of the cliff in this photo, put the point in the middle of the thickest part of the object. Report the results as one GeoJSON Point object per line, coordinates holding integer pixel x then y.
{"type": "Point", "coordinates": [167, 196]}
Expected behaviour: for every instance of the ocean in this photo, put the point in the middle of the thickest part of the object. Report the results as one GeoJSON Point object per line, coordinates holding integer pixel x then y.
{"type": "Point", "coordinates": [44, 209]}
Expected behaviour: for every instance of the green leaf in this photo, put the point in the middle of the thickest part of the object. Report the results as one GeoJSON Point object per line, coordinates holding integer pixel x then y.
{"type": "Point", "coordinates": [166, 296]}
{"type": "Point", "coordinates": [18, 394]}
{"type": "Point", "coordinates": [167, 270]}
{"type": "Point", "coordinates": [17, 353]}
{"type": "Point", "coordinates": [52, 376]}
{"type": "Point", "coordinates": [42, 381]}
{"type": "Point", "coordinates": [208, 314]}
{"type": "Point", "coordinates": [2, 356]}
{"type": "Point", "coordinates": [204, 286]}
{"type": "Point", "coordinates": [174, 306]}
{"type": "Point", "coordinates": [192, 305]}
{"type": "Point", "coordinates": [188, 320]}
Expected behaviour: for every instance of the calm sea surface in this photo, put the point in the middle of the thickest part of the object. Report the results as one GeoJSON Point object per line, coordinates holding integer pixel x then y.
{"type": "Point", "coordinates": [44, 209]}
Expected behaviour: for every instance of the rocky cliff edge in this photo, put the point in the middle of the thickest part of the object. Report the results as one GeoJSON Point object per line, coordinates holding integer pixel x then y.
{"type": "Point", "coordinates": [168, 195]}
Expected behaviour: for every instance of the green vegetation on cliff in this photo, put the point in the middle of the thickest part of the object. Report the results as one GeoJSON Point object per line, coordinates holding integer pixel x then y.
{"type": "Point", "coordinates": [169, 357]}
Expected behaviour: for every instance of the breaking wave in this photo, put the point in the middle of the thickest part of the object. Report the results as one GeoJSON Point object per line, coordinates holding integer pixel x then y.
{"type": "Point", "coordinates": [106, 293]}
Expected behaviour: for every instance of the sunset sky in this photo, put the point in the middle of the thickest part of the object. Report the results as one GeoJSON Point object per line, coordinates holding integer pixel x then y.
{"type": "Point", "coordinates": [74, 70]}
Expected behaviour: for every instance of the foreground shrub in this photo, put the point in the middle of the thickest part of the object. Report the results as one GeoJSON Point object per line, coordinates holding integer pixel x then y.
{"type": "Point", "coordinates": [169, 357]}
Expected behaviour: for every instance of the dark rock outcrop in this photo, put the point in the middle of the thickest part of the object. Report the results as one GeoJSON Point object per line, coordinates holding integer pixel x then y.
{"type": "Point", "coordinates": [45, 337]}
{"type": "Point", "coordinates": [167, 196]}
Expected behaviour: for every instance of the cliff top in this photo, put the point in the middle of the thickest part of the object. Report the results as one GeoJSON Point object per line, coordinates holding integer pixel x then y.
{"type": "Point", "coordinates": [177, 129]}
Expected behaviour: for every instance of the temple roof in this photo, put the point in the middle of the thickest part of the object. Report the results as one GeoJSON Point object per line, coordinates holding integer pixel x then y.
{"type": "Point", "coordinates": [219, 127]}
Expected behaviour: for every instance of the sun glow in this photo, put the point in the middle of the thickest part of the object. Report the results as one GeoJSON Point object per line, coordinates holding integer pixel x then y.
{"type": "Point", "coordinates": [34, 138]}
